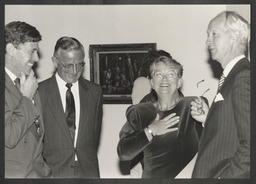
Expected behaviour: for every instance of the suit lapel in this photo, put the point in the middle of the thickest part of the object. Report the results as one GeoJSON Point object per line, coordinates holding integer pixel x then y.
{"type": "Point", "coordinates": [11, 87]}
{"type": "Point", "coordinates": [37, 128]}
{"type": "Point", "coordinates": [39, 106]}
{"type": "Point", "coordinates": [56, 107]}
{"type": "Point", "coordinates": [225, 85]}
{"type": "Point", "coordinates": [84, 108]}
{"type": "Point", "coordinates": [231, 74]}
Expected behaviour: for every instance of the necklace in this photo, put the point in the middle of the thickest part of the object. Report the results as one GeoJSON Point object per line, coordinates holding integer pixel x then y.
{"type": "Point", "coordinates": [159, 106]}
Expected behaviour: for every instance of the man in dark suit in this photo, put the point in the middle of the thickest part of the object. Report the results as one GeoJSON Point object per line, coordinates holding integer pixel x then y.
{"type": "Point", "coordinates": [224, 150]}
{"type": "Point", "coordinates": [24, 128]}
{"type": "Point", "coordinates": [72, 130]}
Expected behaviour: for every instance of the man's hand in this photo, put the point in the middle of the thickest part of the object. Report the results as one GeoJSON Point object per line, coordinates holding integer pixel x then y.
{"type": "Point", "coordinates": [199, 109]}
{"type": "Point", "coordinates": [29, 85]}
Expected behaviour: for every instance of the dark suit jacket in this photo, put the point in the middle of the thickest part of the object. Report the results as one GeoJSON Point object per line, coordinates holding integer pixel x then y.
{"type": "Point", "coordinates": [224, 150]}
{"type": "Point", "coordinates": [23, 144]}
{"type": "Point", "coordinates": [59, 150]}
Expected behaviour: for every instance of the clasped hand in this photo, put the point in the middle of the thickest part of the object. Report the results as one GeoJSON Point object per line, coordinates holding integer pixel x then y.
{"type": "Point", "coordinates": [28, 85]}
{"type": "Point", "coordinates": [162, 126]}
{"type": "Point", "coordinates": [199, 109]}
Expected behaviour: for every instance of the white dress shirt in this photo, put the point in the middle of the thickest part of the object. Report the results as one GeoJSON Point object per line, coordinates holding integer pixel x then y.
{"type": "Point", "coordinates": [231, 64]}
{"type": "Point", "coordinates": [13, 77]}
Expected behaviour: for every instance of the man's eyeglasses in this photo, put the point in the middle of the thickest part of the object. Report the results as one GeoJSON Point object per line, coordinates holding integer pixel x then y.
{"type": "Point", "coordinates": [170, 75]}
{"type": "Point", "coordinates": [78, 66]}
{"type": "Point", "coordinates": [197, 85]}
{"type": "Point", "coordinates": [200, 109]}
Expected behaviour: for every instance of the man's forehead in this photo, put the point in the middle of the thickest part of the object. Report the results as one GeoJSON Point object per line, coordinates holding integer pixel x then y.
{"type": "Point", "coordinates": [29, 45]}
{"type": "Point", "coordinates": [71, 56]}
{"type": "Point", "coordinates": [70, 51]}
{"type": "Point", "coordinates": [218, 22]}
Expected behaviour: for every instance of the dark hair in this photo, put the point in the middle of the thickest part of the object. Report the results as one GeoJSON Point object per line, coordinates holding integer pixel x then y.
{"type": "Point", "coordinates": [167, 61]}
{"type": "Point", "coordinates": [151, 56]}
{"type": "Point", "coordinates": [67, 43]}
{"type": "Point", "coordinates": [17, 32]}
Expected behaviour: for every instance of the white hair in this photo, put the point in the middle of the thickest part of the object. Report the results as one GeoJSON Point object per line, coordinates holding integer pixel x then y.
{"type": "Point", "coordinates": [235, 22]}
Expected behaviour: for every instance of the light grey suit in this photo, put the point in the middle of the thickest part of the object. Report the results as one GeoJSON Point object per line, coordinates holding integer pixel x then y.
{"type": "Point", "coordinates": [23, 144]}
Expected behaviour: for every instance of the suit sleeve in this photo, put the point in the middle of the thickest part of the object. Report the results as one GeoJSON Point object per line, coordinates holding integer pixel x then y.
{"type": "Point", "coordinates": [132, 138]}
{"type": "Point", "coordinates": [239, 164]}
{"type": "Point", "coordinates": [98, 119]}
{"type": "Point", "coordinates": [18, 120]}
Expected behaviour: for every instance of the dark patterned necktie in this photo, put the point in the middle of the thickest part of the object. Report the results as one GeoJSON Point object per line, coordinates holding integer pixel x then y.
{"type": "Point", "coordinates": [221, 81]}
{"type": "Point", "coordinates": [17, 83]}
{"type": "Point", "coordinates": [70, 111]}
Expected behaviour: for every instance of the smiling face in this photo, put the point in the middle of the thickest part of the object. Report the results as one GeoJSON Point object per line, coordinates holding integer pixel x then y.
{"type": "Point", "coordinates": [69, 64]}
{"type": "Point", "coordinates": [164, 78]}
{"type": "Point", "coordinates": [23, 57]}
{"type": "Point", "coordinates": [219, 41]}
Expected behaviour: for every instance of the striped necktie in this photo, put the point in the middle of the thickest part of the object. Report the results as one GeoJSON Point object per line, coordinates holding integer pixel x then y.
{"type": "Point", "coordinates": [221, 81]}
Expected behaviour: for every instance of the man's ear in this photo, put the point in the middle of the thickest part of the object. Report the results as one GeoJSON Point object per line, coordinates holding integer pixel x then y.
{"type": "Point", "coordinates": [151, 82]}
{"type": "Point", "coordinates": [235, 37]}
{"type": "Point", "coordinates": [10, 49]}
{"type": "Point", "coordinates": [180, 82]}
{"type": "Point", "coordinates": [54, 61]}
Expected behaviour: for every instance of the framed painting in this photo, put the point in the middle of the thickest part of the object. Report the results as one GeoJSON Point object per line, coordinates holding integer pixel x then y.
{"type": "Point", "coordinates": [115, 67]}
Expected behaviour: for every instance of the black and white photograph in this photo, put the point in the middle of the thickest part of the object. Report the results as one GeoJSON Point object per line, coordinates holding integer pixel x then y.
{"type": "Point", "coordinates": [136, 93]}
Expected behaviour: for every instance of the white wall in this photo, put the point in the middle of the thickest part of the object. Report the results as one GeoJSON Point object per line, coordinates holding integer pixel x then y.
{"type": "Point", "coordinates": [178, 29]}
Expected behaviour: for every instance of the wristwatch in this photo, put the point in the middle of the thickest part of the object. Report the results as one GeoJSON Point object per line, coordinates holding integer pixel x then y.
{"type": "Point", "coordinates": [150, 131]}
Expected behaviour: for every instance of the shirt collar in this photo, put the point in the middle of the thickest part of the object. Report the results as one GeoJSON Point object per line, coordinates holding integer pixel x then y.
{"type": "Point", "coordinates": [11, 75]}
{"type": "Point", "coordinates": [62, 83]}
{"type": "Point", "coordinates": [231, 64]}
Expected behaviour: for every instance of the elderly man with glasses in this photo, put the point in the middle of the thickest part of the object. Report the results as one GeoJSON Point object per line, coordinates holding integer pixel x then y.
{"type": "Point", "coordinates": [72, 111]}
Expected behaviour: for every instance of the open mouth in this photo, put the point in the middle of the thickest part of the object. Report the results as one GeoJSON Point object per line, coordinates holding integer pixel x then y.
{"type": "Point", "coordinates": [165, 85]}
{"type": "Point", "coordinates": [30, 64]}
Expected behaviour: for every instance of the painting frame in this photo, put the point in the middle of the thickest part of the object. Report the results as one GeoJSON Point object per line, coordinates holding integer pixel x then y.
{"type": "Point", "coordinates": [115, 67]}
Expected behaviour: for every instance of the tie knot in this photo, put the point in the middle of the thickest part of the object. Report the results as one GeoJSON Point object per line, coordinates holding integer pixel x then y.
{"type": "Point", "coordinates": [17, 81]}
{"type": "Point", "coordinates": [69, 85]}
{"type": "Point", "coordinates": [222, 76]}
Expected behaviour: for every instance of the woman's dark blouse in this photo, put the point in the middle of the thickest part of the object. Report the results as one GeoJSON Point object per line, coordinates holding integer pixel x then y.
{"type": "Point", "coordinates": [165, 155]}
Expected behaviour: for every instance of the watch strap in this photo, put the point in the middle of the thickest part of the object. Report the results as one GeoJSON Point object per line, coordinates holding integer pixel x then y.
{"type": "Point", "coordinates": [150, 131]}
